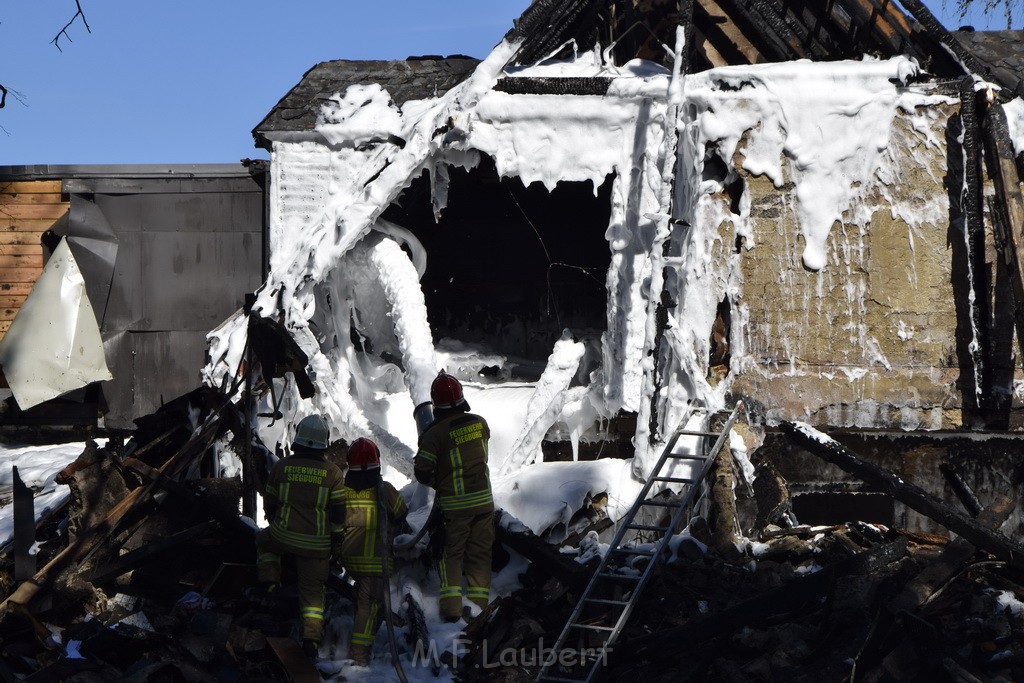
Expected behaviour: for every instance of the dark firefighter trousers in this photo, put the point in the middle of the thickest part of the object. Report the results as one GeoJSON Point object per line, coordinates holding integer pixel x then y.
{"type": "Point", "coordinates": [369, 610]}
{"type": "Point", "coordinates": [467, 550]}
{"type": "Point", "coordinates": [312, 577]}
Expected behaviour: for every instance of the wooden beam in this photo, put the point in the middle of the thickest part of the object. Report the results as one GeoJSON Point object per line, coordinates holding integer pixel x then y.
{"type": "Point", "coordinates": [730, 30]}
{"type": "Point", "coordinates": [12, 301]}
{"type": "Point", "coordinates": [19, 210]}
{"type": "Point", "coordinates": [953, 559]}
{"type": "Point", "coordinates": [1002, 165]}
{"type": "Point", "coordinates": [41, 198]}
{"type": "Point", "coordinates": [133, 559]}
{"type": "Point", "coordinates": [37, 225]}
{"type": "Point", "coordinates": [30, 186]}
{"type": "Point", "coordinates": [24, 530]}
{"type": "Point", "coordinates": [21, 261]}
{"type": "Point", "coordinates": [832, 451]}
{"type": "Point", "coordinates": [20, 275]}
{"type": "Point", "coordinates": [21, 249]}
{"type": "Point", "coordinates": [14, 288]}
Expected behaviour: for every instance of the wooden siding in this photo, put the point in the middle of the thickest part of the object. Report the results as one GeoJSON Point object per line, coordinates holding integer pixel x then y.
{"type": "Point", "coordinates": [27, 209]}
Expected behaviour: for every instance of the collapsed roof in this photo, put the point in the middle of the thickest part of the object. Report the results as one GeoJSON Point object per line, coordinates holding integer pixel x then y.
{"type": "Point", "coordinates": [724, 33]}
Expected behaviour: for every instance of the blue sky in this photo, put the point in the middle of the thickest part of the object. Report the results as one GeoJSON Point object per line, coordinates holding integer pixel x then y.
{"type": "Point", "coordinates": [186, 81]}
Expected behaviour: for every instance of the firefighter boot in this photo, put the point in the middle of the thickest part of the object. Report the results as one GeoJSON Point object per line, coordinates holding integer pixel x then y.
{"type": "Point", "coordinates": [359, 654]}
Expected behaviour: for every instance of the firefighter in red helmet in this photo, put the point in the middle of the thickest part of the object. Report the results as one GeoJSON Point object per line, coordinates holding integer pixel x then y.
{"type": "Point", "coordinates": [452, 459]}
{"type": "Point", "coordinates": [364, 496]}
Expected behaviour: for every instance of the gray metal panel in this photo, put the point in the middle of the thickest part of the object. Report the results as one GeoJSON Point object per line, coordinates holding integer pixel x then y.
{"type": "Point", "coordinates": [124, 303]}
{"type": "Point", "coordinates": [172, 185]}
{"type": "Point", "coordinates": [119, 392]}
{"type": "Point", "coordinates": [187, 211]}
{"type": "Point", "coordinates": [167, 365]}
{"type": "Point", "coordinates": [123, 212]}
{"type": "Point", "coordinates": [66, 171]}
{"type": "Point", "coordinates": [195, 280]}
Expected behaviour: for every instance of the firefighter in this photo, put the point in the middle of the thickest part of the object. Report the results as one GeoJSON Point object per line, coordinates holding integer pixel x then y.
{"type": "Point", "coordinates": [452, 459]}
{"type": "Point", "coordinates": [303, 505]}
{"type": "Point", "coordinates": [360, 549]}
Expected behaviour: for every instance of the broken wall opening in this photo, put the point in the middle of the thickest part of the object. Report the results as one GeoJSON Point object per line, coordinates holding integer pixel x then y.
{"type": "Point", "coordinates": [510, 266]}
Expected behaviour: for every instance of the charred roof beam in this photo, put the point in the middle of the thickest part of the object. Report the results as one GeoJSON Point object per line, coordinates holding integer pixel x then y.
{"type": "Point", "coordinates": [728, 40]}
{"type": "Point", "coordinates": [759, 32]}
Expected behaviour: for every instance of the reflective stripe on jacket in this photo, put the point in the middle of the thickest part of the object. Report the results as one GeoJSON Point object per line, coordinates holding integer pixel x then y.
{"type": "Point", "coordinates": [302, 503]}
{"type": "Point", "coordinates": [360, 548]}
{"type": "Point", "coordinates": [452, 458]}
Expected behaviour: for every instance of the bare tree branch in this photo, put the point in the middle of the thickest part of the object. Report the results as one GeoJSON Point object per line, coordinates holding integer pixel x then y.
{"type": "Point", "coordinates": [3, 97]}
{"type": "Point", "coordinates": [64, 31]}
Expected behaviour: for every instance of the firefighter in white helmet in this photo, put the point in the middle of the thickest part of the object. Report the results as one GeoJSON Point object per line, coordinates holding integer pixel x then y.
{"type": "Point", "coordinates": [303, 505]}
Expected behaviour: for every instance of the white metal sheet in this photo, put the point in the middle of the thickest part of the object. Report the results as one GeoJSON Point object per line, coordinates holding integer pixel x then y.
{"type": "Point", "coordinates": [53, 345]}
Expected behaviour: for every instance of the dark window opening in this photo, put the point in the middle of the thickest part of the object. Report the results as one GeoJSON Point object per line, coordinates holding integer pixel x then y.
{"type": "Point", "coordinates": [510, 266]}
{"type": "Point", "coordinates": [719, 356]}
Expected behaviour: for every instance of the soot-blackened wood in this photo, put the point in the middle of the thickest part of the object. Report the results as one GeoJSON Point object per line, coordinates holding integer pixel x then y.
{"type": "Point", "coordinates": [148, 553]}
{"type": "Point", "coordinates": [971, 200]}
{"type": "Point", "coordinates": [801, 594]}
{"type": "Point", "coordinates": [914, 497]}
{"type": "Point", "coordinates": [962, 490]}
{"type": "Point", "coordinates": [953, 559]}
{"type": "Point", "coordinates": [545, 556]}
{"type": "Point", "coordinates": [934, 28]}
{"type": "Point", "coordinates": [1003, 168]}
{"type": "Point", "coordinates": [723, 497]}
{"type": "Point", "coordinates": [24, 530]}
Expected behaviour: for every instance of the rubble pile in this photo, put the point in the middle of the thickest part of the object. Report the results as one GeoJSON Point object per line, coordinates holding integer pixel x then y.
{"type": "Point", "coordinates": [143, 571]}
{"type": "Point", "coordinates": [143, 576]}
{"type": "Point", "coordinates": [782, 602]}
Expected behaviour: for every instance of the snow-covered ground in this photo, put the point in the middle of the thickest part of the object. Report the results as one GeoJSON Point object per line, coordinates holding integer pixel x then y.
{"type": "Point", "coordinates": [37, 466]}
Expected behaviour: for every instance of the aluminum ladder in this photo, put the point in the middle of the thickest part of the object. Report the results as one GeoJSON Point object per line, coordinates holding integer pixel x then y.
{"type": "Point", "coordinates": [586, 662]}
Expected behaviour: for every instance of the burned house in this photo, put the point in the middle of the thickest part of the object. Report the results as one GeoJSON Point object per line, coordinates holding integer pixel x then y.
{"type": "Point", "coordinates": [694, 237]}
{"type": "Point", "coordinates": [793, 205]}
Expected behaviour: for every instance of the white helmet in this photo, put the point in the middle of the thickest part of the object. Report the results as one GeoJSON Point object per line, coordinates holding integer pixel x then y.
{"type": "Point", "coordinates": [312, 432]}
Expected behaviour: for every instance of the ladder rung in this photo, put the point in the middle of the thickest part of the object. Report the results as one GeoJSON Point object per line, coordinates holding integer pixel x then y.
{"type": "Point", "coordinates": [632, 551]}
{"type": "Point", "coordinates": [684, 432]}
{"type": "Point", "coordinates": [605, 601]}
{"type": "Point", "coordinates": [646, 527]}
{"type": "Point", "coordinates": [628, 577]}
{"type": "Point", "coordinates": [590, 627]}
{"type": "Point", "coordinates": [687, 457]}
{"type": "Point", "coordinates": [674, 480]}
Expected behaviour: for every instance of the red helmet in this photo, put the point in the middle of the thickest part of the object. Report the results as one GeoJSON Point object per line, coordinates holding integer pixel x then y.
{"type": "Point", "coordinates": [363, 454]}
{"type": "Point", "coordinates": [446, 392]}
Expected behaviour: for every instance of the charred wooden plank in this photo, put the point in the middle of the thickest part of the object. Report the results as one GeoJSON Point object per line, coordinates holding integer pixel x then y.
{"type": "Point", "coordinates": [961, 489]}
{"type": "Point", "coordinates": [544, 556]}
{"type": "Point", "coordinates": [149, 474]}
{"type": "Point", "coordinates": [1002, 165]}
{"type": "Point", "coordinates": [553, 86]}
{"type": "Point", "coordinates": [724, 532]}
{"type": "Point", "coordinates": [798, 595]}
{"type": "Point", "coordinates": [920, 500]}
{"type": "Point", "coordinates": [300, 669]}
{"type": "Point", "coordinates": [954, 557]}
{"type": "Point", "coordinates": [147, 553]}
{"type": "Point", "coordinates": [24, 530]}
